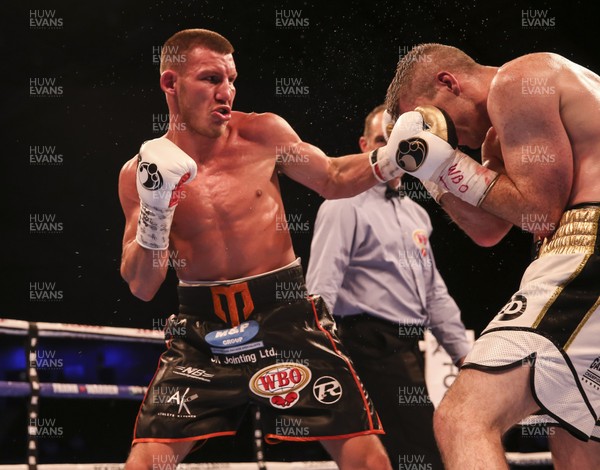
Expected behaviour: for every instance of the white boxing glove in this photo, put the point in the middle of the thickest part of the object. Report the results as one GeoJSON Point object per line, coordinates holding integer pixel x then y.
{"type": "Point", "coordinates": [383, 159]}
{"type": "Point", "coordinates": [162, 169]}
{"type": "Point", "coordinates": [431, 155]}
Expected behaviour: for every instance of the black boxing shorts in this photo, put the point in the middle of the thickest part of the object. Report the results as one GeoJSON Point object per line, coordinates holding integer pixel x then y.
{"type": "Point", "coordinates": [260, 342]}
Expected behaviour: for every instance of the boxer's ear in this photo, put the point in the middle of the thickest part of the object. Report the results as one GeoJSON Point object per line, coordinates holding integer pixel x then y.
{"type": "Point", "coordinates": [167, 81]}
{"type": "Point", "coordinates": [448, 81]}
{"type": "Point", "coordinates": [362, 143]}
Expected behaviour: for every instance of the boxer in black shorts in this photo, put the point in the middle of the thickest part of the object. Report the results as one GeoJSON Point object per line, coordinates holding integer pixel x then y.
{"type": "Point", "coordinates": [250, 342]}
{"type": "Point", "coordinates": [207, 196]}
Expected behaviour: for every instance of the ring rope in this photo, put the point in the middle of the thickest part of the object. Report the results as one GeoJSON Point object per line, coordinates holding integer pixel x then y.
{"type": "Point", "coordinates": [34, 389]}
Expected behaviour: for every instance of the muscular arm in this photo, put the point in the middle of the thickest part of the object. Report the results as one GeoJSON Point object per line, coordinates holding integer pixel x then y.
{"type": "Point", "coordinates": [535, 147]}
{"type": "Point", "coordinates": [482, 227]}
{"type": "Point", "coordinates": [332, 178]}
{"type": "Point", "coordinates": [138, 265]}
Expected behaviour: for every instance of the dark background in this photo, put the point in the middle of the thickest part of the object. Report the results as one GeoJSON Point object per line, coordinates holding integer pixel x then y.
{"type": "Point", "coordinates": [102, 57]}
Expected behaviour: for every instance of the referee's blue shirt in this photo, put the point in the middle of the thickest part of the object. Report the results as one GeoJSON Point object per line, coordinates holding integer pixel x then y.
{"type": "Point", "coordinates": [372, 255]}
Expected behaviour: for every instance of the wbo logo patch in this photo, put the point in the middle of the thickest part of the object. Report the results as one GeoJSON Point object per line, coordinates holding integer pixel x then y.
{"type": "Point", "coordinates": [280, 383]}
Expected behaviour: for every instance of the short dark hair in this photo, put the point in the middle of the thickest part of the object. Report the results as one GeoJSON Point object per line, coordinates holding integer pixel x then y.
{"type": "Point", "coordinates": [184, 41]}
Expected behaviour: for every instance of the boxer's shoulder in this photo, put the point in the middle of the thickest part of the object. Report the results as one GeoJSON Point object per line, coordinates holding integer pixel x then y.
{"type": "Point", "coordinates": [127, 188]}
{"type": "Point", "coordinates": [258, 122]}
{"type": "Point", "coordinates": [523, 77]}
{"type": "Point", "coordinates": [129, 167]}
{"type": "Point", "coordinates": [535, 65]}
{"type": "Point", "coordinates": [262, 128]}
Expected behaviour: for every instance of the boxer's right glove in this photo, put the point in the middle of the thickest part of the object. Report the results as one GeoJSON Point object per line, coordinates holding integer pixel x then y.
{"type": "Point", "coordinates": [162, 169]}
{"type": "Point", "coordinates": [431, 155]}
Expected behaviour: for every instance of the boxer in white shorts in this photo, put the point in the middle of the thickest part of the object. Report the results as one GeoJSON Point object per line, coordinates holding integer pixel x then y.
{"type": "Point", "coordinates": [537, 122]}
{"type": "Point", "coordinates": [553, 324]}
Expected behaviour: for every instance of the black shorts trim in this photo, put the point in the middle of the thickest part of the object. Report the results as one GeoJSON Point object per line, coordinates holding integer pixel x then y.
{"type": "Point", "coordinates": [570, 428]}
{"type": "Point", "coordinates": [233, 303]}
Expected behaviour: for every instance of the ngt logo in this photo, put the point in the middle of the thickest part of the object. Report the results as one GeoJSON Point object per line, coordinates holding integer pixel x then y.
{"type": "Point", "coordinates": [280, 383]}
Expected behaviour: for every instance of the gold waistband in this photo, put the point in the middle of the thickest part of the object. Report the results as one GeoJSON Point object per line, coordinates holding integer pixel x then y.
{"type": "Point", "coordinates": [577, 232]}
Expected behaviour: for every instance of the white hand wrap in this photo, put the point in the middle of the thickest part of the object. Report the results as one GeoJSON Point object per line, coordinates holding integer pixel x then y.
{"type": "Point", "coordinates": [154, 227]}
{"type": "Point", "coordinates": [435, 190]}
{"type": "Point", "coordinates": [467, 179]}
{"type": "Point", "coordinates": [429, 157]}
{"type": "Point", "coordinates": [162, 169]}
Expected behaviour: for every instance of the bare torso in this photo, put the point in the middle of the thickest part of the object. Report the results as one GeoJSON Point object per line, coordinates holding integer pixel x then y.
{"type": "Point", "coordinates": [230, 221]}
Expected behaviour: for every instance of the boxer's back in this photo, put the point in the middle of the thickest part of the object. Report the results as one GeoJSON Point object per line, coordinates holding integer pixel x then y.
{"type": "Point", "coordinates": [574, 92]}
{"type": "Point", "coordinates": [580, 112]}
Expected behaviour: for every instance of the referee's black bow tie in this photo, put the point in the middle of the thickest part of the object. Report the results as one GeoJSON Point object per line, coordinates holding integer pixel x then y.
{"type": "Point", "coordinates": [390, 192]}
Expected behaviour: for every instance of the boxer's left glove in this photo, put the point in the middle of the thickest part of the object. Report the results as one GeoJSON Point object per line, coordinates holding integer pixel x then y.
{"type": "Point", "coordinates": [383, 159]}
{"type": "Point", "coordinates": [162, 169]}
{"type": "Point", "coordinates": [432, 155]}
{"type": "Point", "coordinates": [387, 125]}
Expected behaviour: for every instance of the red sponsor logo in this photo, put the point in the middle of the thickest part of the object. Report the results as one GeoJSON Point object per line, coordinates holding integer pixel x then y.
{"type": "Point", "coordinates": [283, 402]}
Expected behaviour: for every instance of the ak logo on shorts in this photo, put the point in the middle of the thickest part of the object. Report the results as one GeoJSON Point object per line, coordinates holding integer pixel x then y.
{"type": "Point", "coordinates": [235, 336]}
{"type": "Point", "coordinates": [514, 308]}
{"type": "Point", "coordinates": [280, 383]}
{"type": "Point", "coordinates": [149, 175]}
{"type": "Point", "coordinates": [327, 390]}
{"type": "Point", "coordinates": [181, 400]}
{"type": "Point", "coordinates": [411, 153]}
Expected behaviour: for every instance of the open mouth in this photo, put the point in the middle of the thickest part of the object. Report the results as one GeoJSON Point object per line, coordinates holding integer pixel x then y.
{"type": "Point", "coordinates": [224, 111]}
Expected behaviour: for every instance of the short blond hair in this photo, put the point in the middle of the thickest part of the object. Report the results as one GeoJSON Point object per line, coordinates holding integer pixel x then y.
{"type": "Point", "coordinates": [415, 72]}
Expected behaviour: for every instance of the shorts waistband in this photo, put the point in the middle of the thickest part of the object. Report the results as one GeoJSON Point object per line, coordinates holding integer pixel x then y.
{"type": "Point", "coordinates": [234, 302]}
{"type": "Point", "coordinates": [577, 232]}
